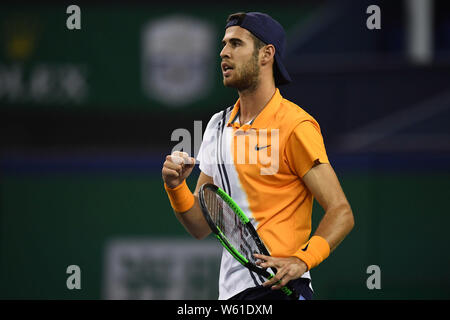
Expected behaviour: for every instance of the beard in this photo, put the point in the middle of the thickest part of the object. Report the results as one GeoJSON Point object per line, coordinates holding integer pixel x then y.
{"type": "Point", "coordinates": [246, 77]}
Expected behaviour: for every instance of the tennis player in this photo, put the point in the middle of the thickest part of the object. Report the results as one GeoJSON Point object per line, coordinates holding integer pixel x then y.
{"type": "Point", "coordinates": [279, 200]}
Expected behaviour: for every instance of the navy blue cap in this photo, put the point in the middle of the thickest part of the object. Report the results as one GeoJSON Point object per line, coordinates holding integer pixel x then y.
{"type": "Point", "coordinates": [269, 31]}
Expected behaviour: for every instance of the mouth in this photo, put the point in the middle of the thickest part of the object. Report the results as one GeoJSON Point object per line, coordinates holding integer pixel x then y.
{"type": "Point", "coordinates": [226, 69]}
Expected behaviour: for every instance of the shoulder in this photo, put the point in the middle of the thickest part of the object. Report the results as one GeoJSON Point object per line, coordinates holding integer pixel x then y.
{"type": "Point", "coordinates": [291, 116]}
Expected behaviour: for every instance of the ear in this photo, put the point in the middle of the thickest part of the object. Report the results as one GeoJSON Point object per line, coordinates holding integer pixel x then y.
{"type": "Point", "coordinates": [267, 54]}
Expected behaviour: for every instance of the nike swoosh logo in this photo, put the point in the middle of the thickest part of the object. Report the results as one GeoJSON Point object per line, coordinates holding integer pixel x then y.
{"type": "Point", "coordinates": [259, 148]}
{"type": "Point", "coordinates": [304, 249]}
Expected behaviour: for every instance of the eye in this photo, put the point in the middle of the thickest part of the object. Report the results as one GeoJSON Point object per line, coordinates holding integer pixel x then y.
{"type": "Point", "coordinates": [235, 43]}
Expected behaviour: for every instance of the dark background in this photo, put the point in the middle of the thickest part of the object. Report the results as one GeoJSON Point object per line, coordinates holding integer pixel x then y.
{"type": "Point", "coordinates": [83, 142]}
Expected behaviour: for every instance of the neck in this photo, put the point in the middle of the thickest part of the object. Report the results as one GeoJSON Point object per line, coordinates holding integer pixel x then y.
{"type": "Point", "coordinates": [252, 102]}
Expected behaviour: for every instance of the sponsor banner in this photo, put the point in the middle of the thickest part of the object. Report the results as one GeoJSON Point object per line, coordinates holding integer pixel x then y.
{"type": "Point", "coordinates": [163, 269]}
{"type": "Point", "coordinates": [111, 58]}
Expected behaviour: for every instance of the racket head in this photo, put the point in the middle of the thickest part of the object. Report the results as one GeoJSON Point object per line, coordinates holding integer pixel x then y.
{"type": "Point", "coordinates": [230, 225]}
{"type": "Point", "coordinates": [234, 230]}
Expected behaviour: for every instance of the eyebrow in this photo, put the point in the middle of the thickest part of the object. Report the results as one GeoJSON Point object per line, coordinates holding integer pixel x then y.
{"type": "Point", "coordinates": [232, 40]}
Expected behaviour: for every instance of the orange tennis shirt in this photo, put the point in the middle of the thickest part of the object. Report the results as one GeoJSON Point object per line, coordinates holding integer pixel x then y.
{"type": "Point", "coordinates": [261, 165]}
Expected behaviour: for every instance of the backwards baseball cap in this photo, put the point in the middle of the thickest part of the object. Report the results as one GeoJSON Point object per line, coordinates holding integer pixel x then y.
{"type": "Point", "coordinates": [269, 31]}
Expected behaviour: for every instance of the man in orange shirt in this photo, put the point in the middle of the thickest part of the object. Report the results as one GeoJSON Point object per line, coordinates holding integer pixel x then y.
{"type": "Point", "coordinates": [277, 191]}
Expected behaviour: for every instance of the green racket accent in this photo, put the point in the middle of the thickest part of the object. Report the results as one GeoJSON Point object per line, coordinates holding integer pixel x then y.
{"type": "Point", "coordinates": [234, 253]}
{"type": "Point", "coordinates": [225, 197]}
{"type": "Point", "coordinates": [285, 289]}
{"type": "Point", "coordinates": [239, 257]}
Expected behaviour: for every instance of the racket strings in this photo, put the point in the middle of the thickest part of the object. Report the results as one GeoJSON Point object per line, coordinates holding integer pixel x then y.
{"type": "Point", "coordinates": [231, 226]}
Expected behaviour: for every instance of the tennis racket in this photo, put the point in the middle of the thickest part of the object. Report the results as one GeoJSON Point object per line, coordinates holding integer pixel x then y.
{"type": "Point", "coordinates": [235, 231]}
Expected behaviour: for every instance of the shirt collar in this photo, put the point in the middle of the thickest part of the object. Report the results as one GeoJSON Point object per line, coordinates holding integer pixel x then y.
{"type": "Point", "coordinates": [263, 119]}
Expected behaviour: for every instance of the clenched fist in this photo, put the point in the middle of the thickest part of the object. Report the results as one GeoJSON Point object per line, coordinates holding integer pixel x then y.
{"type": "Point", "coordinates": [177, 167]}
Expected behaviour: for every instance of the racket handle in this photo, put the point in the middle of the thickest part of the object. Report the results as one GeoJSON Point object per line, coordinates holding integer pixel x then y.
{"type": "Point", "coordinates": [287, 289]}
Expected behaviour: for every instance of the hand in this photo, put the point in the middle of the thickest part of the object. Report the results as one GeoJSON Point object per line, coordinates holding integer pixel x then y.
{"type": "Point", "coordinates": [177, 167]}
{"type": "Point", "coordinates": [289, 268]}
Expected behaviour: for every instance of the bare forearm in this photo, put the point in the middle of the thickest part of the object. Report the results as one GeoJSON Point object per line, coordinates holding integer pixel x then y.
{"type": "Point", "coordinates": [336, 224]}
{"type": "Point", "coordinates": [193, 221]}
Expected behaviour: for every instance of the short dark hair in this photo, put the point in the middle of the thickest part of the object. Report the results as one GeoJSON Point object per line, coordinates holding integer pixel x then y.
{"type": "Point", "coordinates": [239, 16]}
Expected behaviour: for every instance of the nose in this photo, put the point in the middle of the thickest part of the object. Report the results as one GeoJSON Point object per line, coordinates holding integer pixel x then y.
{"type": "Point", "coordinates": [224, 53]}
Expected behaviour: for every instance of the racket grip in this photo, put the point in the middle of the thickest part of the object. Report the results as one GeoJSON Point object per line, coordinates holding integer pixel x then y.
{"type": "Point", "coordinates": [287, 289]}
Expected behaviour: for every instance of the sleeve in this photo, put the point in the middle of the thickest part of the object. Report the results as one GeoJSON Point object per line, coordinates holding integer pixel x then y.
{"type": "Point", "coordinates": [207, 150]}
{"type": "Point", "coordinates": [305, 147]}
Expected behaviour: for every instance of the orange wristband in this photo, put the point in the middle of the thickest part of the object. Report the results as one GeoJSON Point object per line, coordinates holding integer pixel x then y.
{"type": "Point", "coordinates": [181, 198]}
{"type": "Point", "coordinates": [314, 251]}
